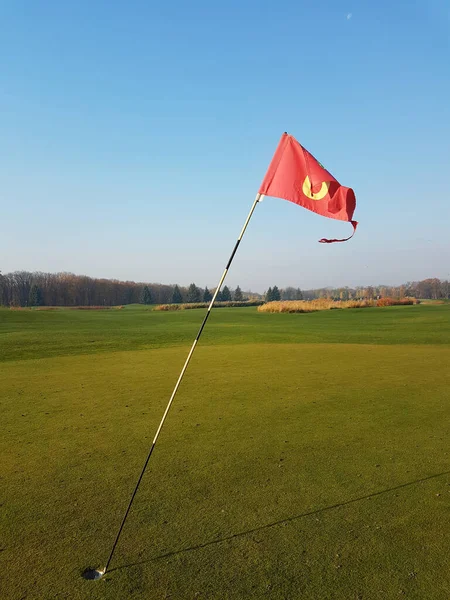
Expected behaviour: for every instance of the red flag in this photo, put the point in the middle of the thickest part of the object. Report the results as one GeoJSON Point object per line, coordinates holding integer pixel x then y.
{"type": "Point", "coordinates": [295, 175]}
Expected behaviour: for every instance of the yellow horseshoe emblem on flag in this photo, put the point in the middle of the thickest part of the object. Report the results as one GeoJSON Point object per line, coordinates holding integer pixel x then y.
{"type": "Point", "coordinates": [315, 196]}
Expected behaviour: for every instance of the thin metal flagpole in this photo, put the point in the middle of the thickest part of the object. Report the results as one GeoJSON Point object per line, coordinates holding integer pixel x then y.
{"type": "Point", "coordinates": [98, 573]}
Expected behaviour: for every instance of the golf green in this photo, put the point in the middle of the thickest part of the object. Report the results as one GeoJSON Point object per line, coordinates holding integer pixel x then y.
{"type": "Point", "coordinates": [306, 456]}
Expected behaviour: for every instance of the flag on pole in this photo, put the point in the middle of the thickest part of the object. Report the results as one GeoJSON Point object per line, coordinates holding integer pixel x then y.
{"type": "Point", "coordinates": [295, 175]}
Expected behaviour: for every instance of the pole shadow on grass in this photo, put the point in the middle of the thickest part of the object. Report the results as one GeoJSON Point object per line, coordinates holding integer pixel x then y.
{"type": "Point", "coordinates": [280, 522]}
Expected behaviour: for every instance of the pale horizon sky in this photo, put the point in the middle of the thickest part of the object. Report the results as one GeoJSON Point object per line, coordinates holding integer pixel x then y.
{"type": "Point", "coordinates": [133, 139]}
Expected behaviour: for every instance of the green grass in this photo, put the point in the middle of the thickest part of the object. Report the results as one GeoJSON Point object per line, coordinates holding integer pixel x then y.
{"type": "Point", "coordinates": [41, 334]}
{"type": "Point", "coordinates": [306, 456]}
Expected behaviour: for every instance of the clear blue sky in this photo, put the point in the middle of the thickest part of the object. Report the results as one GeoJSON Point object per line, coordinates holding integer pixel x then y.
{"type": "Point", "coordinates": [134, 136]}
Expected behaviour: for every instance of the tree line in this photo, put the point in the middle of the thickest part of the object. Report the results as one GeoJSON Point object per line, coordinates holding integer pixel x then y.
{"type": "Point", "coordinates": [274, 294]}
{"type": "Point", "coordinates": [24, 288]}
{"type": "Point", "coordinates": [194, 294]}
{"type": "Point", "coordinates": [427, 289]}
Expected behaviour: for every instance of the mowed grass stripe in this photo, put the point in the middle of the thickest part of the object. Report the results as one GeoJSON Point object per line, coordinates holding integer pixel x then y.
{"type": "Point", "coordinates": [39, 334]}
{"type": "Point", "coordinates": [259, 434]}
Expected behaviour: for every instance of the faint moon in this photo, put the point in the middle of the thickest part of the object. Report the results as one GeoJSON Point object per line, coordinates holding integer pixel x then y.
{"type": "Point", "coordinates": [349, 16]}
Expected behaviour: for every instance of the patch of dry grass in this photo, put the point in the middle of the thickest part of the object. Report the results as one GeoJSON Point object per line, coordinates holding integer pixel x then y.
{"type": "Point", "coordinates": [306, 306]}
{"type": "Point", "coordinates": [187, 306]}
{"type": "Point", "coordinates": [396, 301]}
{"type": "Point", "coordinates": [41, 308]}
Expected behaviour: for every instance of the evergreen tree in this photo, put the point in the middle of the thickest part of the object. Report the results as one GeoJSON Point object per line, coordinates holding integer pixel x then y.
{"type": "Point", "coordinates": [298, 294]}
{"type": "Point", "coordinates": [238, 294]}
{"type": "Point", "coordinates": [35, 297]}
{"type": "Point", "coordinates": [207, 296]}
{"type": "Point", "coordinates": [269, 295]}
{"type": "Point", "coordinates": [127, 297]}
{"type": "Point", "coordinates": [146, 297]}
{"type": "Point", "coordinates": [276, 294]}
{"type": "Point", "coordinates": [226, 294]}
{"type": "Point", "coordinates": [194, 294]}
{"type": "Point", "coordinates": [219, 297]}
{"type": "Point", "coordinates": [177, 298]}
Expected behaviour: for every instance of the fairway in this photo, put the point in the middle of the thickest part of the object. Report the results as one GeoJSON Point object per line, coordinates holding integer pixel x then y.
{"type": "Point", "coordinates": [306, 456]}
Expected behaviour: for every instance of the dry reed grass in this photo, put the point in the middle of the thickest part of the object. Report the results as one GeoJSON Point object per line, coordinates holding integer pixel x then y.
{"type": "Point", "coordinates": [188, 306]}
{"type": "Point", "coordinates": [396, 301]}
{"type": "Point", "coordinates": [306, 306]}
{"type": "Point", "coordinates": [40, 308]}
